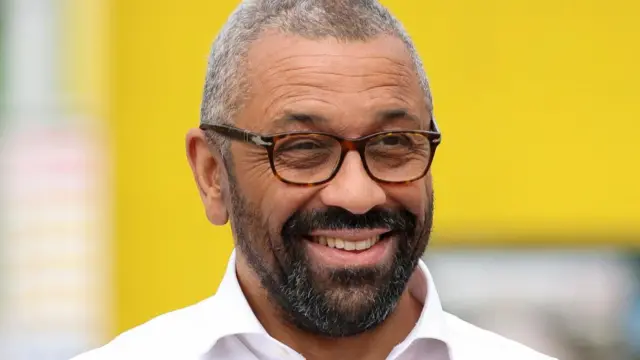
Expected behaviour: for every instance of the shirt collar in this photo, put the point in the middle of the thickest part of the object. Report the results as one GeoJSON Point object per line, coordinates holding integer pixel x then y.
{"type": "Point", "coordinates": [228, 312]}
{"type": "Point", "coordinates": [432, 323]}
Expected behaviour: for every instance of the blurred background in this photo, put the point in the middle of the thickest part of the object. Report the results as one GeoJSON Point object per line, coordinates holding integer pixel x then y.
{"type": "Point", "coordinates": [537, 227]}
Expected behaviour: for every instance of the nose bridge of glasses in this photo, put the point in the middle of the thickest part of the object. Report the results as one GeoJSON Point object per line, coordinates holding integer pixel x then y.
{"type": "Point", "coordinates": [353, 167]}
{"type": "Point", "coordinates": [348, 145]}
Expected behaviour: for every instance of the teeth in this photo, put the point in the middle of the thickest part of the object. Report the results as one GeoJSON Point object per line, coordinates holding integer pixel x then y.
{"type": "Point", "coordinates": [347, 245]}
{"type": "Point", "coordinates": [364, 244]}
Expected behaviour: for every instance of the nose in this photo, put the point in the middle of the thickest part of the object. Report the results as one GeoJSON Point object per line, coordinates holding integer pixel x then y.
{"type": "Point", "coordinates": [352, 188]}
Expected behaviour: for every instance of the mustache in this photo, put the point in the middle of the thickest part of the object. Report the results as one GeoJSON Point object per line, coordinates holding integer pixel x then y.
{"type": "Point", "coordinates": [336, 218]}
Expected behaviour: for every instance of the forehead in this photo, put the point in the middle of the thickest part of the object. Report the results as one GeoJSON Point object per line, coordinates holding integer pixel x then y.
{"type": "Point", "coordinates": [288, 73]}
{"type": "Point", "coordinates": [274, 45]}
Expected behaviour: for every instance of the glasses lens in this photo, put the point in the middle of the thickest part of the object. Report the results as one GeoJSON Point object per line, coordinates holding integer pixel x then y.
{"type": "Point", "coordinates": [305, 159]}
{"type": "Point", "coordinates": [399, 156]}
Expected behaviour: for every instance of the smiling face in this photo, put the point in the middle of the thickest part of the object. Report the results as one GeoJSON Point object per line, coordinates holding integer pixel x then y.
{"type": "Point", "coordinates": [335, 257]}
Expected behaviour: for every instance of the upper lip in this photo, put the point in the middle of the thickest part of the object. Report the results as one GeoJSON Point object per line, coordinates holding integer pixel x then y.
{"type": "Point", "coordinates": [350, 234]}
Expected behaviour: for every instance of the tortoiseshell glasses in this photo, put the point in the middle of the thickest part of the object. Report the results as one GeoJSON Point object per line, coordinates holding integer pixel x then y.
{"type": "Point", "coordinates": [314, 158]}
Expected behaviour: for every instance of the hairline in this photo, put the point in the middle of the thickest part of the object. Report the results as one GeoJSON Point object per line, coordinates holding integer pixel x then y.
{"type": "Point", "coordinates": [236, 82]}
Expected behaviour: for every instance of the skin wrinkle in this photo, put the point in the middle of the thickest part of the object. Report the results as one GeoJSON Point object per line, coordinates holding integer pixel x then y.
{"type": "Point", "coordinates": [316, 20]}
{"type": "Point", "coordinates": [297, 86]}
{"type": "Point", "coordinates": [338, 74]}
{"type": "Point", "coordinates": [284, 70]}
{"type": "Point", "coordinates": [315, 309]}
{"type": "Point", "coordinates": [284, 62]}
{"type": "Point", "coordinates": [357, 42]}
{"type": "Point", "coordinates": [294, 93]}
{"type": "Point", "coordinates": [396, 102]}
{"type": "Point", "coordinates": [401, 75]}
{"type": "Point", "coordinates": [339, 128]}
{"type": "Point", "coordinates": [308, 74]}
{"type": "Point", "coordinates": [292, 97]}
{"type": "Point", "coordinates": [368, 57]}
{"type": "Point", "coordinates": [258, 172]}
{"type": "Point", "coordinates": [268, 88]}
{"type": "Point", "coordinates": [308, 83]}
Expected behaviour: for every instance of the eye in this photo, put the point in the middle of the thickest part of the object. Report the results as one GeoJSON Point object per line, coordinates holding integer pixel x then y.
{"type": "Point", "coordinates": [394, 140]}
{"type": "Point", "coordinates": [300, 144]}
{"type": "Point", "coordinates": [304, 145]}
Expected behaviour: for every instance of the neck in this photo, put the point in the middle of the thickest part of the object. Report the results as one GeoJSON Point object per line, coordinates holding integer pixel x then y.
{"type": "Point", "coordinates": [374, 344]}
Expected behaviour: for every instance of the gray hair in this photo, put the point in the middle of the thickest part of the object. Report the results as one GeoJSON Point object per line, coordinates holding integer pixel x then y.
{"type": "Point", "coordinates": [346, 20]}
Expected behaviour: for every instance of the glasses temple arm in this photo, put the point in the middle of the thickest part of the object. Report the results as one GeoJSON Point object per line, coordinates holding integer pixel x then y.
{"type": "Point", "coordinates": [434, 125]}
{"type": "Point", "coordinates": [239, 134]}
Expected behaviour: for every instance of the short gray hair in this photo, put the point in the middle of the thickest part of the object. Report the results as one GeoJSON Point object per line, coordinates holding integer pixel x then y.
{"type": "Point", "coordinates": [346, 20]}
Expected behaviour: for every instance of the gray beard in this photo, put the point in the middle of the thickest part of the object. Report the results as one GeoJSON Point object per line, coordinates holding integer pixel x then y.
{"type": "Point", "coordinates": [358, 301]}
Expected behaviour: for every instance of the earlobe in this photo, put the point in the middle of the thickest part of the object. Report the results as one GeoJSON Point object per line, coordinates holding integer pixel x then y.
{"type": "Point", "coordinates": [207, 169]}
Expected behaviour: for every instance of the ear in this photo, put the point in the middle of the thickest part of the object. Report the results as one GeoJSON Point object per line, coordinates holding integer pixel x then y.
{"type": "Point", "coordinates": [208, 171]}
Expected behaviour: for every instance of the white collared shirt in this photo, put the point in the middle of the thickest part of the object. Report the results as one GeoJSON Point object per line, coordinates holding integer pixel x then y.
{"type": "Point", "coordinates": [224, 327]}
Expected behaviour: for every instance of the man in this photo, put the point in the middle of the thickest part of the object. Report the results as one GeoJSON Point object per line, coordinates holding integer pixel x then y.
{"type": "Point", "coordinates": [316, 139]}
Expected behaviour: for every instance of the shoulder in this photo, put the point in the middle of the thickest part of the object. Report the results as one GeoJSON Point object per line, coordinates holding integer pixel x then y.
{"type": "Point", "coordinates": [168, 336]}
{"type": "Point", "coordinates": [471, 342]}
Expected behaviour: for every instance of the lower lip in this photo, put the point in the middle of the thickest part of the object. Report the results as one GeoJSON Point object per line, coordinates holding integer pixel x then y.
{"type": "Point", "coordinates": [343, 258]}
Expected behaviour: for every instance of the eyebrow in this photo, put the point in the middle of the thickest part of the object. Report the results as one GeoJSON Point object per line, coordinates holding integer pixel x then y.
{"type": "Point", "coordinates": [380, 118]}
{"type": "Point", "coordinates": [400, 113]}
{"type": "Point", "coordinates": [298, 117]}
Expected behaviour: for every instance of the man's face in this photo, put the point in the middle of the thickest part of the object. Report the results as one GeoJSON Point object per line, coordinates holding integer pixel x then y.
{"type": "Point", "coordinates": [290, 235]}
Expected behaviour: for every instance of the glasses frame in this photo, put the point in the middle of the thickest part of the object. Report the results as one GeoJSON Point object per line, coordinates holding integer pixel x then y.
{"type": "Point", "coordinates": [268, 142]}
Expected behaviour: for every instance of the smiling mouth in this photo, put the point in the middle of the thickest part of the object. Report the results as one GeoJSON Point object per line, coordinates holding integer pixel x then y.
{"type": "Point", "coordinates": [348, 244]}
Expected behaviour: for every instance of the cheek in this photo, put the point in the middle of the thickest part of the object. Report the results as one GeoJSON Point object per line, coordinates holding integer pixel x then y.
{"type": "Point", "coordinates": [254, 172]}
{"type": "Point", "coordinates": [253, 179]}
{"type": "Point", "coordinates": [281, 201]}
{"type": "Point", "coordinates": [274, 200]}
{"type": "Point", "coordinates": [415, 197]}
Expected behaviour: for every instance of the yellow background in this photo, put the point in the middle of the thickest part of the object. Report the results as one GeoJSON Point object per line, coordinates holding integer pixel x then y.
{"type": "Point", "coordinates": [537, 101]}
